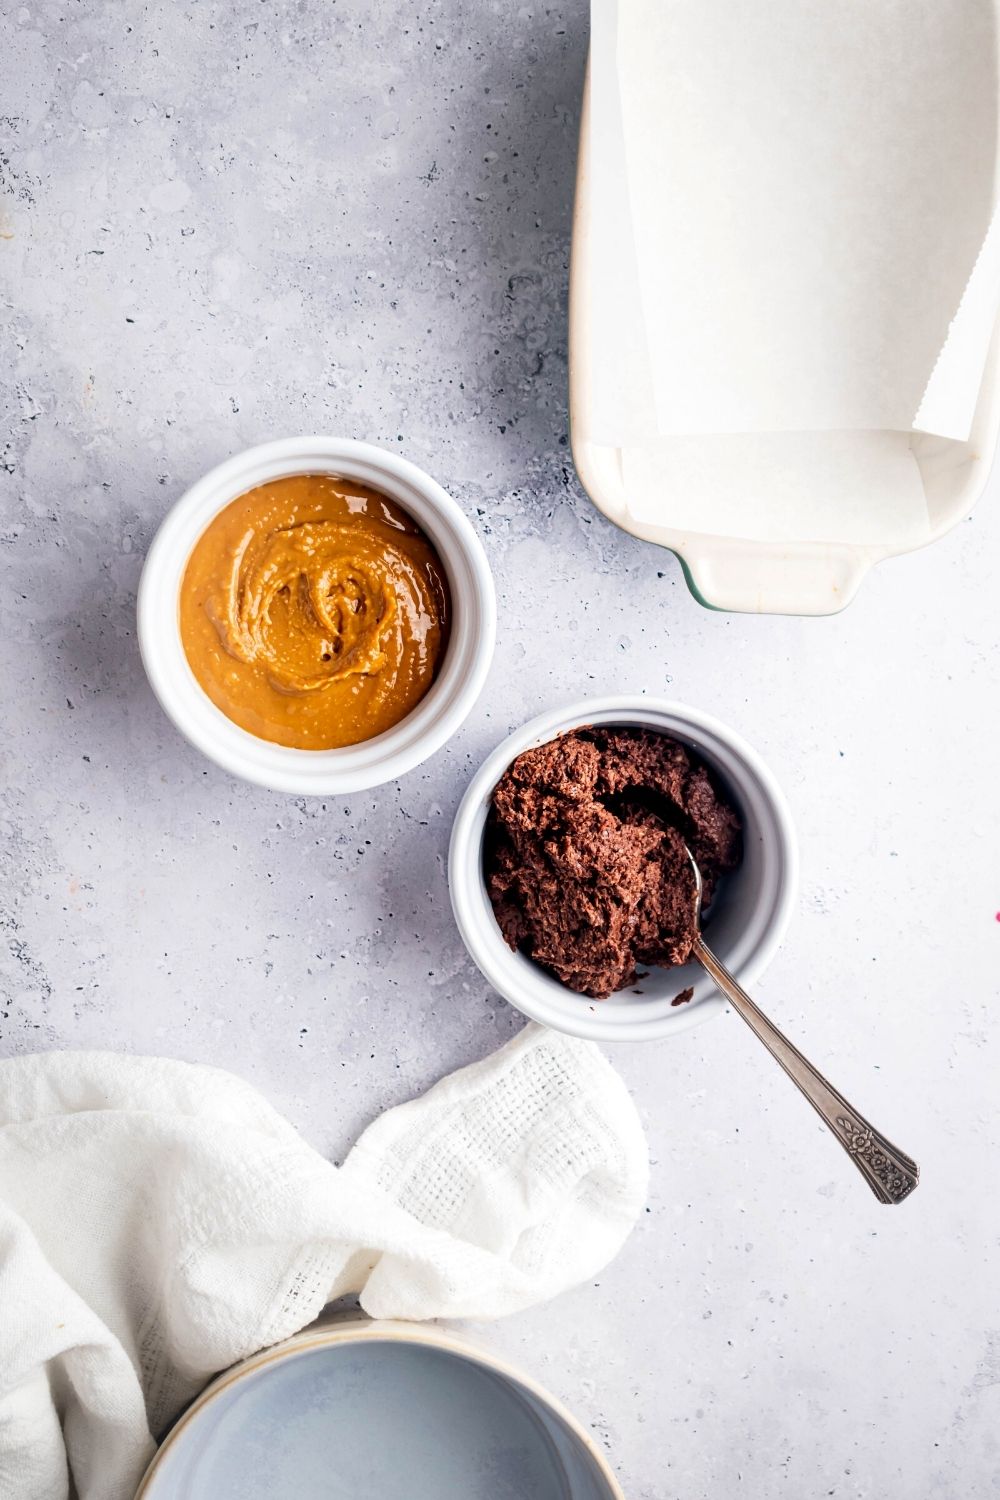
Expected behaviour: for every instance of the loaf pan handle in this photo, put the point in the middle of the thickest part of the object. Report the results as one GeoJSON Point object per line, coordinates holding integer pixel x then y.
{"type": "Point", "coordinates": [795, 578]}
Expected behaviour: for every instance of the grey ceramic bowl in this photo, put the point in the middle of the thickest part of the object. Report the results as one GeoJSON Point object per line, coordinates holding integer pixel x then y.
{"type": "Point", "coordinates": [397, 1411]}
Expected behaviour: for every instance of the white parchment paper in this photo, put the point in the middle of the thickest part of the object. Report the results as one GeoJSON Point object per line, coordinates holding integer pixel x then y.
{"type": "Point", "coordinates": [787, 204]}
{"type": "Point", "coordinates": [808, 188]}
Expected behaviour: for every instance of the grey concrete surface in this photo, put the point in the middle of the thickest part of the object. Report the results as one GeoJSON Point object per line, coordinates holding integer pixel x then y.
{"type": "Point", "coordinates": [223, 223]}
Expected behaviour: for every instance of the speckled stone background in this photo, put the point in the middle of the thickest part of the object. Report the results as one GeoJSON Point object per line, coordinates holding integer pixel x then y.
{"type": "Point", "coordinates": [223, 223]}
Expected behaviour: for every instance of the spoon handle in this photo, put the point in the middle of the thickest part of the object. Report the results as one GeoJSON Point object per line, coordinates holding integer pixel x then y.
{"type": "Point", "coordinates": [889, 1172]}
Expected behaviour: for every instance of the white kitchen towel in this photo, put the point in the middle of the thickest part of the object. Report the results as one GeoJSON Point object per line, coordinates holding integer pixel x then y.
{"type": "Point", "coordinates": [159, 1221]}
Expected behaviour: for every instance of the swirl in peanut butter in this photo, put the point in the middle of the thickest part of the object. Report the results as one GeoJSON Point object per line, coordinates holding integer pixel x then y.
{"type": "Point", "coordinates": [314, 612]}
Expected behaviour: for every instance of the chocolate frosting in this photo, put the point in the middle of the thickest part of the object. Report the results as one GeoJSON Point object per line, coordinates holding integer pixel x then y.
{"type": "Point", "coordinates": [585, 861]}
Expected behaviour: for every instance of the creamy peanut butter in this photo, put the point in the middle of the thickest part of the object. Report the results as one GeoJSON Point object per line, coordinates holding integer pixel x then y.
{"type": "Point", "coordinates": [314, 612]}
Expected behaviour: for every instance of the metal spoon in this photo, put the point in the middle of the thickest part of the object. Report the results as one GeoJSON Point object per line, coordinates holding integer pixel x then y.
{"type": "Point", "coordinates": [889, 1172]}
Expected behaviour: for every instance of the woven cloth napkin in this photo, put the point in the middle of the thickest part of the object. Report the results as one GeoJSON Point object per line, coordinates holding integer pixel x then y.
{"type": "Point", "coordinates": [159, 1221]}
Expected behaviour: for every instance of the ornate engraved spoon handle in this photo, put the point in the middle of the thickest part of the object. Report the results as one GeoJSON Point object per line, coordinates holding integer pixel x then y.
{"type": "Point", "coordinates": [889, 1172]}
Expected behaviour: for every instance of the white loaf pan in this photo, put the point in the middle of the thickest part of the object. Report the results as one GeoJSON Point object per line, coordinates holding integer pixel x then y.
{"type": "Point", "coordinates": [754, 516]}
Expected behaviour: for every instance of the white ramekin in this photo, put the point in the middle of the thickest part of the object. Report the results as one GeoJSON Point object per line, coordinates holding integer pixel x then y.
{"type": "Point", "coordinates": [748, 918]}
{"type": "Point", "coordinates": [319, 772]}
